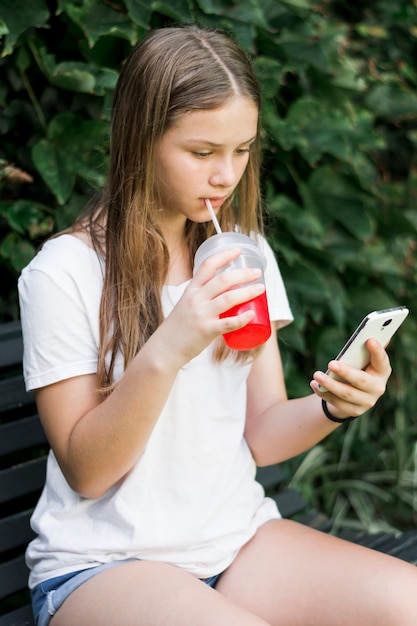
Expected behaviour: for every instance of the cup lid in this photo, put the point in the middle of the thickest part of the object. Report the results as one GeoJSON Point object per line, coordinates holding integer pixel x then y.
{"type": "Point", "coordinates": [225, 241]}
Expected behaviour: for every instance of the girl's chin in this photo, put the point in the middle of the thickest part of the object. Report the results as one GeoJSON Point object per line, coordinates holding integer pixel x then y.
{"type": "Point", "coordinates": [200, 218]}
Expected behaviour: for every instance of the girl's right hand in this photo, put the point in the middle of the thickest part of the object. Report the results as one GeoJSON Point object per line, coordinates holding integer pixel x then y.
{"type": "Point", "coordinates": [194, 322]}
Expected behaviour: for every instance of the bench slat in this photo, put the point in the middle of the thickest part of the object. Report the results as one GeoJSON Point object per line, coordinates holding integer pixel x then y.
{"type": "Point", "coordinates": [13, 576]}
{"type": "Point", "coordinates": [289, 502]}
{"type": "Point", "coordinates": [14, 395]}
{"type": "Point", "coordinates": [22, 479]}
{"type": "Point", "coordinates": [19, 617]}
{"type": "Point", "coordinates": [11, 344]}
{"type": "Point", "coordinates": [402, 545]}
{"type": "Point", "coordinates": [21, 434]}
{"type": "Point", "coordinates": [15, 531]}
{"type": "Point", "coordinates": [270, 476]}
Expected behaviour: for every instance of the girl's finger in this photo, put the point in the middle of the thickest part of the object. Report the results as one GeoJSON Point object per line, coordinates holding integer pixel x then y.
{"type": "Point", "coordinates": [233, 297]}
{"type": "Point", "coordinates": [210, 266]}
{"type": "Point", "coordinates": [379, 358]}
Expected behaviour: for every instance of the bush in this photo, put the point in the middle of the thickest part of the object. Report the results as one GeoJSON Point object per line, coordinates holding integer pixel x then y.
{"type": "Point", "coordinates": [339, 179]}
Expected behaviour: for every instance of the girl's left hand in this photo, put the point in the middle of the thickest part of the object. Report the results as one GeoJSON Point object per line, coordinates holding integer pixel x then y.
{"type": "Point", "coordinates": [359, 390]}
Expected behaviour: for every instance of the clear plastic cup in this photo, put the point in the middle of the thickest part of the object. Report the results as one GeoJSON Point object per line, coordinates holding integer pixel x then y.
{"type": "Point", "coordinates": [258, 330]}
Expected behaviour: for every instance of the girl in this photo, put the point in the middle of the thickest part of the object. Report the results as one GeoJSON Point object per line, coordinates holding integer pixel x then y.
{"type": "Point", "coordinates": [151, 514]}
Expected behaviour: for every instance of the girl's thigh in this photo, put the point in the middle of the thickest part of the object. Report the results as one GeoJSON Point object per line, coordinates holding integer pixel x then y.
{"type": "Point", "coordinates": [144, 593]}
{"type": "Point", "coordinates": [290, 574]}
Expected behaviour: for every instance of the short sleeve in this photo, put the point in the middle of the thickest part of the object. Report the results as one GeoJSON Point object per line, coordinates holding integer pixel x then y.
{"type": "Point", "coordinates": [279, 307]}
{"type": "Point", "coordinates": [59, 294]}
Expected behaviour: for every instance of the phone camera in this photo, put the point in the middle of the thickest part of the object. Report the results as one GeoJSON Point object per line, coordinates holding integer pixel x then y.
{"type": "Point", "coordinates": [387, 322]}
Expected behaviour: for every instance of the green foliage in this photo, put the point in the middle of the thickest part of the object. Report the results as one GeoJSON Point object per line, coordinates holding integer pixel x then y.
{"type": "Point", "coordinates": [340, 185]}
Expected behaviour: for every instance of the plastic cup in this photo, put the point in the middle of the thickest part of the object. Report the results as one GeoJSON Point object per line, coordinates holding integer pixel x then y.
{"type": "Point", "coordinates": [258, 330]}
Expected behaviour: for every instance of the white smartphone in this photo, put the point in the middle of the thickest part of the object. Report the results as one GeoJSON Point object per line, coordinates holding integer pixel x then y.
{"type": "Point", "coordinates": [379, 324]}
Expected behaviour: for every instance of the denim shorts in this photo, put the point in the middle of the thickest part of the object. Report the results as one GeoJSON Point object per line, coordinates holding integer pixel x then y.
{"type": "Point", "coordinates": [48, 596]}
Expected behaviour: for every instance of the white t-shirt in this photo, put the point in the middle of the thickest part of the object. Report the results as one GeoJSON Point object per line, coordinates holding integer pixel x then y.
{"type": "Point", "coordinates": [192, 499]}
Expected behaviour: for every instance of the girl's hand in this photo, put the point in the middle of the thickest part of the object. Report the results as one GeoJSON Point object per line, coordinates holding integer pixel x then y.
{"type": "Point", "coordinates": [359, 390]}
{"type": "Point", "coordinates": [194, 322]}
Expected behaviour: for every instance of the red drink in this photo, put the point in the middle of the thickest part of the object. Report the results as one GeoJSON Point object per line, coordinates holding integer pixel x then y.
{"type": "Point", "coordinates": [256, 332]}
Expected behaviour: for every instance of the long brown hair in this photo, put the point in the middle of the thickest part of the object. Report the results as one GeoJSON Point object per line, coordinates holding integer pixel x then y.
{"type": "Point", "coordinates": [172, 71]}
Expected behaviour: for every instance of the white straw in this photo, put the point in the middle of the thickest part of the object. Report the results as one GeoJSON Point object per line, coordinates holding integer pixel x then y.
{"type": "Point", "coordinates": [213, 216]}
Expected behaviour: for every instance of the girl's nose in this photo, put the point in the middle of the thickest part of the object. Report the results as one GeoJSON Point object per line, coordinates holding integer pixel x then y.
{"type": "Point", "coordinates": [224, 174]}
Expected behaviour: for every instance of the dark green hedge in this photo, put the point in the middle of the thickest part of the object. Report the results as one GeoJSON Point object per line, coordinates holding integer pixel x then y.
{"type": "Point", "coordinates": [340, 110]}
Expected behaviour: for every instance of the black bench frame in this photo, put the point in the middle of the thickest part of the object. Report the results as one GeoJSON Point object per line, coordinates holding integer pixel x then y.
{"type": "Point", "coordinates": [23, 454]}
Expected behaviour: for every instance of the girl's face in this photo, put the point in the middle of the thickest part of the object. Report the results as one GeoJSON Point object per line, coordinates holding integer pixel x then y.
{"type": "Point", "coordinates": [204, 155]}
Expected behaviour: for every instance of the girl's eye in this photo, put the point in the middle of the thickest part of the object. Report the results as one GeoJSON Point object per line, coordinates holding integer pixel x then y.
{"type": "Point", "coordinates": [204, 155]}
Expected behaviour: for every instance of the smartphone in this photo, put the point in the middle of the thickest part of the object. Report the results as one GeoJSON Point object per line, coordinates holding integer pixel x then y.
{"type": "Point", "coordinates": [379, 324]}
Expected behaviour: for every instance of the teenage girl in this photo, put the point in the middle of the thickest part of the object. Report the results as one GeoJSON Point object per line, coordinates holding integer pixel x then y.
{"type": "Point", "coordinates": [151, 514]}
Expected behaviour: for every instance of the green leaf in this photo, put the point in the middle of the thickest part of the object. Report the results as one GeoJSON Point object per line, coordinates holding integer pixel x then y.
{"type": "Point", "coordinates": [18, 16]}
{"type": "Point", "coordinates": [176, 9]}
{"type": "Point", "coordinates": [212, 6]}
{"type": "Point", "coordinates": [248, 11]}
{"type": "Point", "coordinates": [73, 147]}
{"type": "Point", "coordinates": [315, 128]}
{"type": "Point", "coordinates": [97, 19]}
{"type": "Point", "coordinates": [74, 77]}
{"type": "Point", "coordinates": [306, 46]}
{"type": "Point", "coordinates": [292, 337]}
{"type": "Point", "coordinates": [139, 11]}
{"type": "Point", "coordinates": [17, 250]}
{"type": "Point", "coordinates": [245, 32]}
{"type": "Point", "coordinates": [379, 260]}
{"type": "Point", "coordinates": [78, 76]}
{"type": "Point", "coordinates": [68, 212]}
{"type": "Point", "coordinates": [306, 227]}
{"type": "Point", "coordinates": [335, 196]}
{"type": "Point", "coordinates": [305, 279]}
{"type": "Point", "coordinates": [52, 163]}
{"type": "Point", "coordinates": [275, 10]}
{"type": "Point", "coordinates": [348, 76]}
{"type": "Point", "coordinates": [27, 216]}
{"type": "Point", "coordinates": [344, 249]}
{"type": "Point", "coordinates": [296, 4]}
{"type": "Point", "coordinates": [3, 28]}
{"type": "Point", "coordinates": [392, 101]}
{"type": "Point", "coordinates": [362, 486]}
{"type": "Point", "coordinates": [23, 59]}
{"type": "Point", "coordinates": [236, 17]}
{"type": "Point", "coordinates": [339, 298]}
{"type": "Point", "coordinates": [329, 343]}
{"type": "Point", "coordinates": [270, 73]}
{"type": "Point", "coordinates": [371, 30]}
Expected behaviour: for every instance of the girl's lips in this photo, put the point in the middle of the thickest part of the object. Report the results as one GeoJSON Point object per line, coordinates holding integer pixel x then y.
{"type": "Point", "coordinates": [216, 202]}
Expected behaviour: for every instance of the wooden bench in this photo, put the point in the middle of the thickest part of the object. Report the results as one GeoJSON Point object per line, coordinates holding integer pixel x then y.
{"type": "Point", "coordinates": [23, 452]}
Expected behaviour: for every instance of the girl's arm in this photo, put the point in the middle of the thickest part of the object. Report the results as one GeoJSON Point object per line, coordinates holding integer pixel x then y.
{"type": "Point", "coordinates": [96, 442]}
{"type": "Point", "coordinates": [278, 429]}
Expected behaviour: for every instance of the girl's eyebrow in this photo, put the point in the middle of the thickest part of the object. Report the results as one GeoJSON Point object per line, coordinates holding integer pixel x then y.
{"type": "Point", "coordinates": [206, 142]}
